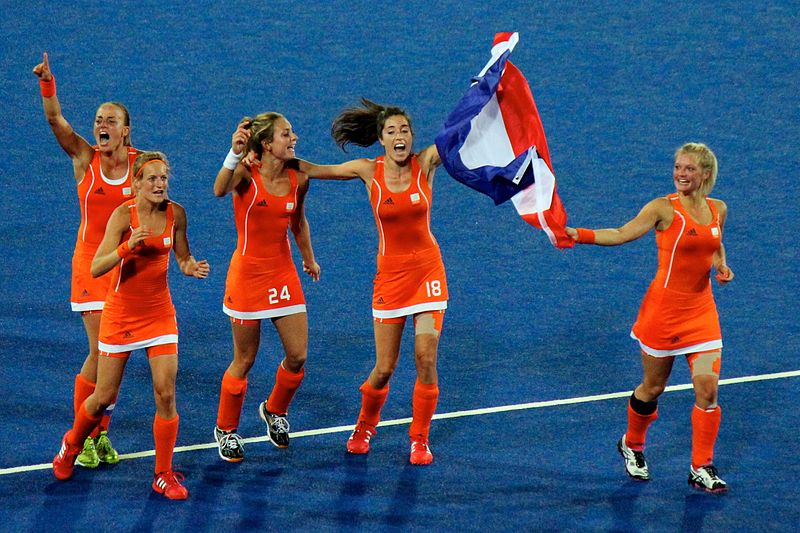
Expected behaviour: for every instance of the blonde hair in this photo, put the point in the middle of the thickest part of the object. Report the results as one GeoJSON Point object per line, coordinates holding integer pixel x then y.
{"type": "Point", "coordinates": [707, 161]}
{"type": "Point", "coordinates": [145, 157]}
{"type": "Point", "coordinates": [262, 128]}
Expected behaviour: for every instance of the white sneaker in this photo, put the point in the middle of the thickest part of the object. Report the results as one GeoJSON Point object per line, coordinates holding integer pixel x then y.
{"type": "Point", "coordinates": [635, 464]}
{"type": "Point", "coordinates": [706, 478]}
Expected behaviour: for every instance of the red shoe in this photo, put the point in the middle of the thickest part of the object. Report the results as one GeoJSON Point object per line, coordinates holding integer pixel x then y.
{"type": "Point", "coordinates": [420, 452]}
{"type": "Point", "coordinates": [358, 443]}
{"type": "Point", "coordinates": [169, 484]}
{"type": "Point", "coordinates": [64, 461]}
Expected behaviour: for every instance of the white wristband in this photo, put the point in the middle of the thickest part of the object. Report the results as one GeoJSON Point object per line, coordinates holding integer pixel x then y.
{"type": "Point", "coordinates": [232, 159]}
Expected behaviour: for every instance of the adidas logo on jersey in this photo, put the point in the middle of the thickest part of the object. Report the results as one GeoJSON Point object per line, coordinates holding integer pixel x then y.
{"type": "Point", "coordinates": [388, 201]}
{"type": "Point", "coordinates": [675, 339]}
{"type": "Point", "coordinates": [380, 300]}
{"type": "Point", "coordinates": [127, 335]}
{"type": "Point", "coordinates": [692, 232]}
{"type": "Point", "coordinates": [99, 190]}
{"type": "Point", "coordinates": [262, 203]}
{"type": "Point", "coordinates": [85, 293]}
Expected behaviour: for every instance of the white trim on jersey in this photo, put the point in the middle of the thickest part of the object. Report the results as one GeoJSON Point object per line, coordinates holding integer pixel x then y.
{"type": "Point", "coordinates": [147, 343]}
{"type": "Point", "coordinates": [87, 306]}
{"type": "Point", "coordinates": [675, 247]}
{"type": "Point", "coordinates": [410, 310]}
{"type": "Point", "coordinates": [247, 214]}
{"type": "Point", "coordinates": [267, 313]}
{"type": "Point", "coordinates": [707, 346]}
{"type": "Point", "coordinates": [378, 217]}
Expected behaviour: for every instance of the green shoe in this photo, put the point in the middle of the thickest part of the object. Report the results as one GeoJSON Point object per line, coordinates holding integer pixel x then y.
{"type": "Point", "coordinates": [105, 452]}
{"type": "Point", "coordinates": [88, 458]}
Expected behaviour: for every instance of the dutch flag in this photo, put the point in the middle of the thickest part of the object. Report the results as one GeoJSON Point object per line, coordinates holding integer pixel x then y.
{"type": "Point", "coordinates": [494, 142]}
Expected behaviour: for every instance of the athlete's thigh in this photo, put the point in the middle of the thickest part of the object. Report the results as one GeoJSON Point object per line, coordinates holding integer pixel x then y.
{"type": "Point", "coordinates": [293, 332]}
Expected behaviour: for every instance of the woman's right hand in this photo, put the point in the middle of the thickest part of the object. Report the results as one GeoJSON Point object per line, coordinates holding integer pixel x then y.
{"type": "Point", "coordinates": [42, 70]}
{"type": "Point", "coordinates": [138, 235]}
{"type": "Point", "coordinates": [572, 233]}
{"type": "Point", "coordinates": [240, 137]}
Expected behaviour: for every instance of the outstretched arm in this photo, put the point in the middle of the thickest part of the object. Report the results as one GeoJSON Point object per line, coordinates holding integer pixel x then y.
{"type": "Point", "coordinates": [657, 213]}
{"type": "Point", "coordinates": [188, 264]}
{"type": "Point", "coordinates": [73, 144]}
{"type": "Point", "coordinates": [429, 160]}
{"type": "Point", "coordinates": [356, 168]}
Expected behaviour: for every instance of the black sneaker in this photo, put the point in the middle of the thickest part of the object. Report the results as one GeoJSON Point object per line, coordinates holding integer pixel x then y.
{"type": "Point", "coordinates": [706, 478]}
{"type": "Point", "coordinates": [277, 426]}
{"type": "Point", "coordinates": [635, 464]}
{"type": "Point", "coordinates": [230, 445]}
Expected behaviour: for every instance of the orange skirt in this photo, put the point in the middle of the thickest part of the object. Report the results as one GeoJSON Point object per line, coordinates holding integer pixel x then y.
{"type": "Point", "coordinates": [675, 323]}
{"type": "Point", "coordinates": [87, 293]}
{"type": "Point", "coordinates": [122, 331]}
{"type": "Point", "coordinates": [258, 288]}
{"type": "Point", "coordinates": [409, 284]}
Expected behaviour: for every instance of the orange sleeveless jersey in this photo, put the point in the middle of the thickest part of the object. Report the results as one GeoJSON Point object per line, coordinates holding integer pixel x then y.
{"type": "Point", "coordinates": [262, 280]}
{"type": "Point", "coordinates": [98, 196]}
{"type": "Point", "coordinates": [678, 314]}
{"type": "Point", "coordinates": [139, 311]}
{"type": "Point", "coordinates": [410, 277]}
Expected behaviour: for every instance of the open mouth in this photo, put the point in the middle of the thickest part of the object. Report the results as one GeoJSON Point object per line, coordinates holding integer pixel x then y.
{"type": "Point", "coordinates": [399, 147]}
{"type": "Point", "coordinates": [104, 137]}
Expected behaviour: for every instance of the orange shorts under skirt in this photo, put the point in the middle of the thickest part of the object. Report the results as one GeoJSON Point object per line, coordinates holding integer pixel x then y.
{"type": "Point", "coordinates": [262, 288]}
{"type": "Point", "coordinates": [676, 323]}
{"type": "Point", "coordinates": [409, 284]}
{"type": "Point", "coordinates": [87, 293]}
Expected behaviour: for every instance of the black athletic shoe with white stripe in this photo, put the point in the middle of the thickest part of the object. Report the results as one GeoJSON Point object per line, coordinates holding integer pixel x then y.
{"type": "Point", "coordinates": [706, 478]}
{"type": "Point", "coordinates": [229, 444]}
{"type": "Point", "coordinates": [635, 464]}
{"type": "Point", "coordinates": [277, 426]}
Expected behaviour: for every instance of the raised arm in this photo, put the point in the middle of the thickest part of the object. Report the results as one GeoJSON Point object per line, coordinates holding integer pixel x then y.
{"type": "Point", "coordinates": [76, 147]}
{"type": "Point", "coordinates": [232, 172]}
{"type": "Point", "coordinates": [188, 264]}
{"type": "Point", "coordinates": [429, 160]}
{"type": "Point", "coordinates": [110, 252]}
{"type": "Point", "coordinates": [302, 232]}
{"type": "Point", "coordinates": [656, 214]}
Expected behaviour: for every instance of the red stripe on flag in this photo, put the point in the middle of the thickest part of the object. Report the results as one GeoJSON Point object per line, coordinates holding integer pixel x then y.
{"type": "Point", "coordinates": [521, 118]}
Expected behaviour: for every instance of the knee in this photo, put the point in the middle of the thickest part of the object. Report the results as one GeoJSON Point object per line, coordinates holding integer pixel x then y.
{"type": "Point", "coordinates": [648, 392]}
{"type": "Point", "coordinates": [103, 397]}
{"type": "Point", "coordinates": [705, 392]}
{"type": "Point", "coordinates": [165, 396]}
{"type": "Point", "coordinates": [425, 358]}
{"type": "Point", "coordinates": [295, 361]}
{"type": "Point", "coordinates": [383, 373]}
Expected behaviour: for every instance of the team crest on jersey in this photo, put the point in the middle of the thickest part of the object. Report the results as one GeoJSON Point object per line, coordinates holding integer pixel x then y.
{"type": "Point", "coordinates": [167, 241]}
{"type": "Point", "coordinates": [126, 191]}
{"type": "Point", "coordinates": [715, 231]}
{"type": "Point", "coordinates": [415, 198]}
{"type": "Point", "coordinates": [290, 206]}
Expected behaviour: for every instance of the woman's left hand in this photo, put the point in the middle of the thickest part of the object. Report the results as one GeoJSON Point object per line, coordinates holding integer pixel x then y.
{"type": "Point", "coordinates": [724, 274]}
{"type": "Point", "coordinates": [312, 270]}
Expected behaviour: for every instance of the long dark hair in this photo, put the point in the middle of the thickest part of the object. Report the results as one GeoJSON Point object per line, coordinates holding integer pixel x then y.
{"type": "Point", "coordinates": [363, 125]}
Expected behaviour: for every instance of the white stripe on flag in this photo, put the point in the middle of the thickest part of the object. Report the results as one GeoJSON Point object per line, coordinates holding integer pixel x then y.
{"type": "Point", "coordinates": [487, 143]}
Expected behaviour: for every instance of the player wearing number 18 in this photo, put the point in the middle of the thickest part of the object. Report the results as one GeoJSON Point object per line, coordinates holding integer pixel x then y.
{"type": "Point", "coordinates": [411, 278]}
{"type": "Point", "coordinates": [262, 281]}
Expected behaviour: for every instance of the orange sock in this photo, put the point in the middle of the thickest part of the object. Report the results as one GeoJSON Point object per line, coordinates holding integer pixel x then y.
{"type": "Point", "coordinates": [286, 384]}
{"type": "Point", "coordinates": [82, 426]}
{"type": "Point", "coordinates": [83, 389]}
{"type": "Point", "coordinates": [705, 426]}
{"type": "Point", "coordinates": [231, 398]}
{"type": "Point", "coordinates": [637, 428]}
{"type": "Point", "coordinates": [165, 433]}
{"type": "Point", "coordinates": [105, 420]}
{"type": "Point", "coordinates": [423, 405]}
{"type": "Point", "coordinates": [372, 401]}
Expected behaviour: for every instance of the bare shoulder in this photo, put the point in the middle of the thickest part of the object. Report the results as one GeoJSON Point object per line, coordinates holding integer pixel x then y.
{"type": "Point", "coordinates": [721, 206]}
{"type": "Point", "coordinates": [177, 209]}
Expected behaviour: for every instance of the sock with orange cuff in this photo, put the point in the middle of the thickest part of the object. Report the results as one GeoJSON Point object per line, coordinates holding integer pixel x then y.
{"type": "Point", "coordinates": [286, 384]}
{"type": "Point", "coordinates": [165, 433]}
{"type": "Point", "coordinates": [640, 416]}
{"type": "Point", "coordinates": [423, 405]}
{"type": "Point", "coordinates": [705, 427]}
{"type": "Point", "coordinates": [372, 401]}
{"type": "Point", "coordinates": [231, 398]}
{"type": "Point", "coordinates": [82, 426]}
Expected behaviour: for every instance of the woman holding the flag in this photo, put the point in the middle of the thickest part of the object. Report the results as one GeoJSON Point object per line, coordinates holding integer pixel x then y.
{"type": "Point", "coordinates": [410, 278]}
{"type": "Point", "coordinates": [678, 315]}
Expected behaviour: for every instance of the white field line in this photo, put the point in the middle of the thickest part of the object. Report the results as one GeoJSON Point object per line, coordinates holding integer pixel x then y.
{"type": "Point", "coordinates": [454, 414]}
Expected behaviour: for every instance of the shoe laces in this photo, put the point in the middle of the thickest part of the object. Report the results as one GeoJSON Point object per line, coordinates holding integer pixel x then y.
{"type": "Point", "coordinates": [363, 427]}
{"type": "Point", "coordinates": [711, 470]}
{"type": "Point", "coordinates": [171, 477]}
{"type": "Point", "coordinates": [638, 457]}
{"type": "Point", "coordinates": [279, 424]}
{"type": "Point", "coordinates": [419, 443]}
{"type": "Point", "coordinates": [230, 441]}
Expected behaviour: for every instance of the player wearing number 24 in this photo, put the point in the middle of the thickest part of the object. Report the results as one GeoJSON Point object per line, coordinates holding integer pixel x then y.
{"type": "Point", "coordinates": [410, 280]}
{"type": "Point", "coordinates": [262, 281]}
